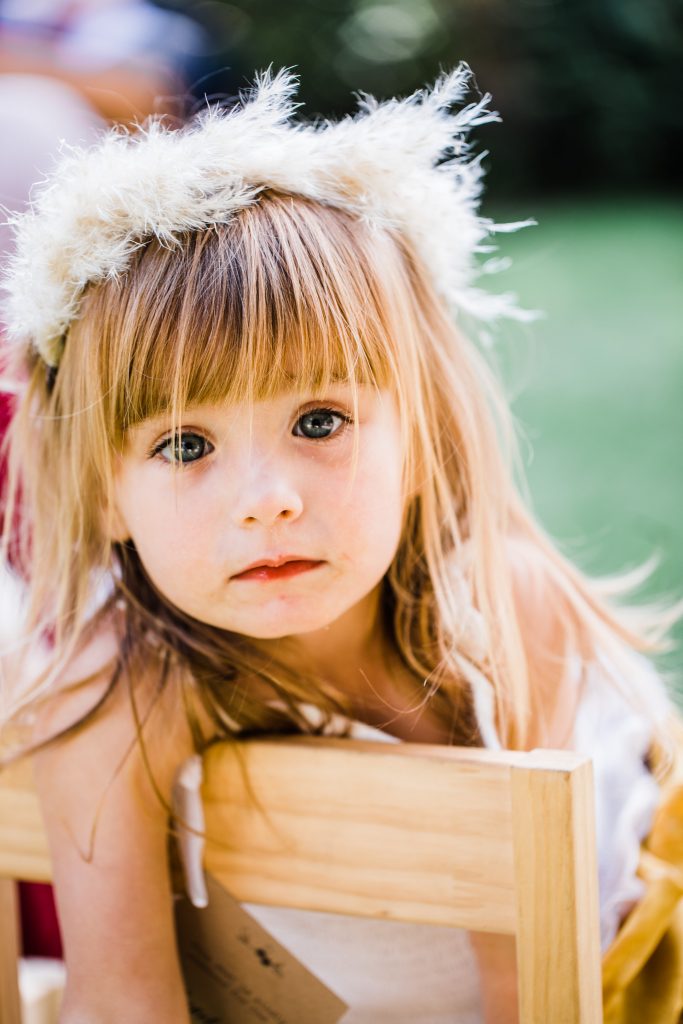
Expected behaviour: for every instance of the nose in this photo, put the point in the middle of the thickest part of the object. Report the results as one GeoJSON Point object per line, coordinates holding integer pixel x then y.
{"type": "Point", "coordinates": [267, 498]}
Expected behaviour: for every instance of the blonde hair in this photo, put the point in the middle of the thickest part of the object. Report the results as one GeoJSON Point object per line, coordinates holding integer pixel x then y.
{"type": "Point", "coordinates": [293, 293]}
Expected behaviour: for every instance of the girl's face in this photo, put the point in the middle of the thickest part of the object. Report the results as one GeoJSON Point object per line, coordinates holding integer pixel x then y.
{"type": "Point", "coordinates": [256, 518]}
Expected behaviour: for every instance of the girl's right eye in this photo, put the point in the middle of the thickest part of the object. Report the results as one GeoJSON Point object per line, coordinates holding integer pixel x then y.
{"type": "Point", "coordinates": [182, 448]}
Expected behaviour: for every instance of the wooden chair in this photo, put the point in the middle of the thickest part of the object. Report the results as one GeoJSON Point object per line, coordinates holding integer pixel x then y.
{"type": "Point", "coordinates": [489, 841]}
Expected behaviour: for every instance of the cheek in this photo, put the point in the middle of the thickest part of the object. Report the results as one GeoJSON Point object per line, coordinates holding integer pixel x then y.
{"type": "Point", "coordinates": [376, 511]}
{"type": "Point", "coordinates": [180, 565]}
{"type": "Point", "coordinates": [170, 533]}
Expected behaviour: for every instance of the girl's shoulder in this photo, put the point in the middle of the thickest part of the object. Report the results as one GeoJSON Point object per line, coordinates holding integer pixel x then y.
{"type": "Point", "coordinates": [80, 680]}
{"type": "Point", "coordinates": [546, 633]}
{"type": "Point", "coordinates": [126, 716]}
{"type": "Point", "coordinates": [577, 652]}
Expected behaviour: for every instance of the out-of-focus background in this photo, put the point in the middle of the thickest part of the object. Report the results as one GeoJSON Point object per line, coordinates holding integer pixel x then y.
{"type": "Point", "coordinates": [590, 93]}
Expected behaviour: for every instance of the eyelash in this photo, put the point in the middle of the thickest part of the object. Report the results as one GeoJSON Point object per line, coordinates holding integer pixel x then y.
{"type": "Point", "coordinates": [158, 448]}
{"type": "Point", "coordinates": [327, 411]}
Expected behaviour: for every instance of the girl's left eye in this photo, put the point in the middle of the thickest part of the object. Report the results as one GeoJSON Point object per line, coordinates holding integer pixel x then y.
{"type": "Point", "coordinates": [319, 424]}
{"type": "Point", "coordinates": [183, 448]}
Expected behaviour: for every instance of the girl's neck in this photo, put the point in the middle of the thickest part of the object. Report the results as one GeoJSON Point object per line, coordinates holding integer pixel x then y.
{"type": "Point", "coordinates": [357, 657]}
{"type": "Point", "coordinates": [343, 653]}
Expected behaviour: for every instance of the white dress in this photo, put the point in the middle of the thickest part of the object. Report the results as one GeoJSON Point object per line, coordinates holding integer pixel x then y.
{"type": "Point", "coordinates": [396, 973]}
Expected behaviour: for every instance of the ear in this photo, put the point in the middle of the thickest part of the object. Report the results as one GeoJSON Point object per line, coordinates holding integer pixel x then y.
{"type": "Point", "coordinates": [114, 523]}
{"type": "Point", "coordinates": [115, 526]}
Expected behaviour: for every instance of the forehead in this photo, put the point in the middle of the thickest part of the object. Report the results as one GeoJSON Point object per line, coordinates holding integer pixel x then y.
{"type": "Point", "coordinates": [292, 299]}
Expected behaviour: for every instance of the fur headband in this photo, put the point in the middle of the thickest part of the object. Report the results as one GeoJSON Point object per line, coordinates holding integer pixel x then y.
{"type": "Point", "coordinates": [401, 163]}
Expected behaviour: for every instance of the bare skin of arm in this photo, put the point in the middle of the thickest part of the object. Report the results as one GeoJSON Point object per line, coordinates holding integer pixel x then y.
{"type": "Point", "coordinates": [108, 837]}
{"type": "Point", "coordinates": [496, 960]}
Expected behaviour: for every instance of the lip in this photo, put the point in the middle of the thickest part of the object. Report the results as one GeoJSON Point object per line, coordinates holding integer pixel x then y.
{"type": "Point", "coordinates": [277, 568]}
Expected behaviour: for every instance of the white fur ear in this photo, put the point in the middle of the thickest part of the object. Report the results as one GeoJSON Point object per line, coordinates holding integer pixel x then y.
{"type": "Point", "coordinates": [404, 164]}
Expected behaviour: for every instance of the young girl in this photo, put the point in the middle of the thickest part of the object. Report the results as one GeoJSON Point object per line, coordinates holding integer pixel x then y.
{"type": "Point", "coordinates": [266, 484]}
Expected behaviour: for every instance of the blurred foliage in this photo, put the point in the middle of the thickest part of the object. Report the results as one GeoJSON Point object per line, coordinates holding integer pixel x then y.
{"type": "Point", "coordinates": [590, 91]}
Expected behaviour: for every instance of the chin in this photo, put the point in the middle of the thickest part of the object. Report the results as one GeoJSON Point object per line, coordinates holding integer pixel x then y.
{"type": "Point", "coordinates": [279, 626]}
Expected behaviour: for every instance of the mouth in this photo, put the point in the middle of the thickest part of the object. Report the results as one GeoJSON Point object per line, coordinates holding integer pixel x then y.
{"type": "Point", "coordinates": [277, 568]}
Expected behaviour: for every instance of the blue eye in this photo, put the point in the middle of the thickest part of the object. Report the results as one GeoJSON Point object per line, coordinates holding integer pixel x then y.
{"type": "Point", "coordinates": [319, 424]}
{"type": "Point", "coordinates": [183, 448]}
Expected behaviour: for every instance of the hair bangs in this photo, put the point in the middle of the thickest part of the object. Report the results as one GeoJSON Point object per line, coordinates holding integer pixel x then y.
{"type": "Point", "coordinates": [288, 295]}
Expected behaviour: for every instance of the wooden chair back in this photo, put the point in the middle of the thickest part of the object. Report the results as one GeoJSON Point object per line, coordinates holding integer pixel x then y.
{"type": "Point", "coordinates": [489, 841]}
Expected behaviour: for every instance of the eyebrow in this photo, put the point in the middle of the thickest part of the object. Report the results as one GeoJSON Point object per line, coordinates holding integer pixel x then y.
{"type": "Point", "coordinates": [162, 419]}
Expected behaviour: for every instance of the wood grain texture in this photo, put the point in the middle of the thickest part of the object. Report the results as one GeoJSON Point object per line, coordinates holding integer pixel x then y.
{"type": "Point", "coordinates": [490, 841]}
{"type": "Point", "coordinates": [23, 846]}
{"type": "Point", "coordinates": [558, 935]}
{"type": "Point", "coordinates": [413, 833]}
{"type": "Point", "coordinates": [10, 1012]}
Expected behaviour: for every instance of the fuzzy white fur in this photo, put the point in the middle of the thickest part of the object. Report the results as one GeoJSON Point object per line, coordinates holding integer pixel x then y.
{"type": "Point", "coordinates": [403, 163]}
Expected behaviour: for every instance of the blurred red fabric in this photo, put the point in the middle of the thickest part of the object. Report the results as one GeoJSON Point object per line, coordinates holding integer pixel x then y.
{"type": "Point", "coordinates": [5, 417]}
{"type": "Point", "coordinates": [39, 924]}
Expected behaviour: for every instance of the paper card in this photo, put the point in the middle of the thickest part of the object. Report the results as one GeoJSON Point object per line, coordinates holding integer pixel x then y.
{"type": "Point", "coordinates": [236, 973]}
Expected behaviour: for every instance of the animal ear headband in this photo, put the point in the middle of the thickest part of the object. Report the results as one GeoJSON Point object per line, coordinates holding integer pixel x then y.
{"type": "Point", "coordinates": [401, 163]}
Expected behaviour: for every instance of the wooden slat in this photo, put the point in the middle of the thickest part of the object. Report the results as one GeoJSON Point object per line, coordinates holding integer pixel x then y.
{"type": "Point", "coordinates": [558, 938]}
{"type": "Point", "coordinates": [23, 846]}
{"type": "Point", "coordinates": [10, 1012]}
{"type": "Point", "coordinates": [432, 842]}
{"type": "Point", "coordinates": [410, 832]}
